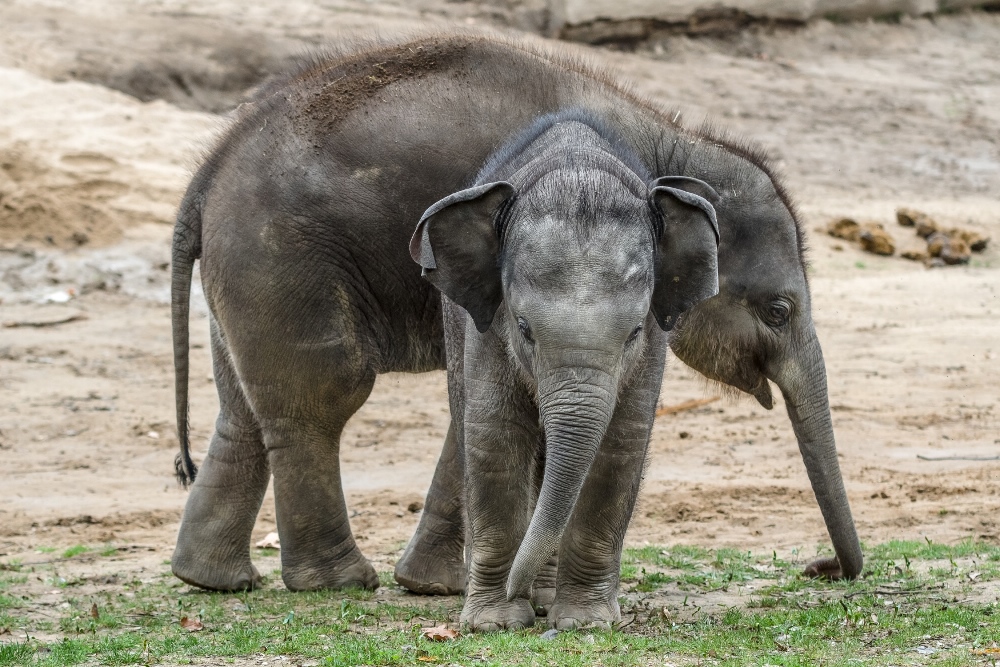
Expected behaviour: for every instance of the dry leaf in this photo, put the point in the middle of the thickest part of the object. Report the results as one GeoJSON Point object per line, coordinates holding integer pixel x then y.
{"type": "Point", "coordinates": [426, 658]}
{"type": "Point", "coordinates": [986, 651]}
{"type": "Point", "coordinates": [191, 624]}
{"type": "Point", "coordinates": [94, 612]}
{"type": "Point", "coordinates": [440, 633]}
{"type": "Point", "coordinates": [270, 541]}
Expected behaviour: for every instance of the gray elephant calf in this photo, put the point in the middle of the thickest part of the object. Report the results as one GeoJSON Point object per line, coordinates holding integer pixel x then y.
{"type": "Point", "coordinates": [564, 254]}
{"type": "Point", "coordinates": [302, 217]}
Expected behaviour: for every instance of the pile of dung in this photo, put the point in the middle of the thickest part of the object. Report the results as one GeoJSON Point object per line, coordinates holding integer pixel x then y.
{"type": "Point", "coordinates": [943, 246]}
{"type": "Point", "coordinates": [870, 235]}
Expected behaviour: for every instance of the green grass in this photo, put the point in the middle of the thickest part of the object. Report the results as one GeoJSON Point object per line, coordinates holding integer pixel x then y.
{"type": "Point", "coordinates": [685, 605]}
{"type": "Point", "coordinates": [75, 551]}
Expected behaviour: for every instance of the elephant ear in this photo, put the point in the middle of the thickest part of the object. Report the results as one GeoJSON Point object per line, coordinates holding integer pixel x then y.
{"type": "Point", "coordinates": [687, 264]}
{"type": "Point", "coordinates": [456, 244]}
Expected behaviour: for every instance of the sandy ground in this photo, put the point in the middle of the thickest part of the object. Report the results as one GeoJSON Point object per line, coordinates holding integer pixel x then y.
{"type": "Point", "coordinates": [861, 117]}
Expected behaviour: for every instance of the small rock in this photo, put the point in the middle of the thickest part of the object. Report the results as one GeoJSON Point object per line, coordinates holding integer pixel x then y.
{"type": "Point", "coordinates": [60, 296]}
{"type": "Point", "coordinates": [915, 255]}
{"type": "Point", "coordinates": [976, 241]}
{"type": "Point", "coordinates": [550, 634]}
{"type": "Point", "coordinates": [844, 228]}
{"type": "Point", "coordinates": [877, 241]}
{"type": "Point", "coordinates": [956, 251]}
{"type": "Point", "coordinates": [270, 541]}
{"type": "Point", "coordinates": [949, 249]}
{"type": "Point", "coordinates": [415, 507]}
{"type": "Point", "coordinates": [926, 227]}
{"type": "Point", "coordinates": [907, 217]}
{"type": "Point", "coordinates": [936, 243]}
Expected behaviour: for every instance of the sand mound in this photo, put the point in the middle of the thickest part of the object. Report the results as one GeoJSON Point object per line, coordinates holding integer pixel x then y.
{"type": "Point", "coordinates": [80, 163]}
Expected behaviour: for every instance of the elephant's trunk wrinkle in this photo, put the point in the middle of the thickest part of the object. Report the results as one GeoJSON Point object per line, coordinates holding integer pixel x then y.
{"type": "Point", "coordinates": [575, 407]}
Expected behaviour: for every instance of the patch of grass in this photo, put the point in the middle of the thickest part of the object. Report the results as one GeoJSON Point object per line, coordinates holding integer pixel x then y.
{"type": "Point", "coordinates": [45, 550]}
{"type": "Point", "coordinates": [75, 551]}
{"type": "Point", "coordinates": [17, 653]}
{"type": "Point", "coordinates": [68, 652]}
{"type": "Point", "coordinates": [911, 595]}
{"type": "Point", "coordinates": [927, 549]}
{"type": "Point", "coordinates": [386, 580]}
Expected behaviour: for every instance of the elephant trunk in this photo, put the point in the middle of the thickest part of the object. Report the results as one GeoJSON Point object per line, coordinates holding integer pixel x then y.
{"type": "Point", "coordinates": [802, 380]}
{"type": "Point", "coordinates": [576, 405]}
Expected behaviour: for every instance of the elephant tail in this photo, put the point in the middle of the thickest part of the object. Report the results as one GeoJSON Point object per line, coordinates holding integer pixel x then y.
{"type": "Point", "coordinates": [186, 249]}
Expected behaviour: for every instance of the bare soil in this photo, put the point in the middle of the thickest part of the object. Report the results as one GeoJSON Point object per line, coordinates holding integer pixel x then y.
{"type": "Point", "coordinates": [863, 118]}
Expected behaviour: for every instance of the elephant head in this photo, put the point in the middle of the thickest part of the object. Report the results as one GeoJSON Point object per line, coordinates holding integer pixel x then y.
{"type": "Point", "coordinates": [569, 260]}
{"type": "Point", "coordinates": [760, 328]}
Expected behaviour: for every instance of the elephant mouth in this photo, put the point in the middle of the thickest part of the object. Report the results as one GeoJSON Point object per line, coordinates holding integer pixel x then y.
{"type": "Point", "coordinates": [722, 349]}
{"type": "Point", "coordinates": [762, 392]}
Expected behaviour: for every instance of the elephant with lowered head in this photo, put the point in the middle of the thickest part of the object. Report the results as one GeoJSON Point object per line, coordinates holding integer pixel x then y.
{"type": "Point", "coordinates": [302, 217]}
{"type": "Point", "coordinates": [558, 265]}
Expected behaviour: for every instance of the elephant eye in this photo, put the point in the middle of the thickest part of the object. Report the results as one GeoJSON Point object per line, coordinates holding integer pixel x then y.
{"type": "Point", "coordinates": [635, 334]}
{"type": "Point", "coordinates": [777, 313]}
{"type": "Point", "coordinates": [525, 330]}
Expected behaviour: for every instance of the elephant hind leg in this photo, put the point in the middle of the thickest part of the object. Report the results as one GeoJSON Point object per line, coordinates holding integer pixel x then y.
{"type": "Point", "coordinates": [302, 417]}
{"type": "Point", "coordinates": [213, 546]}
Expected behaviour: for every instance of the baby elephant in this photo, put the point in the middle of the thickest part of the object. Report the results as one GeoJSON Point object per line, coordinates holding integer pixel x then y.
{"type": "Point", "coordinates": [558, 264]}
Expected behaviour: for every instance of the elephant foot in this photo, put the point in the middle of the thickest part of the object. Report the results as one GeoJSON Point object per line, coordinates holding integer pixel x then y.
{"type": "Point", "coordinates": [570, 616]}
{"type": "Point", "coordinates": [425, 575]}
{"type": "Point", "coordinates": [824, 568]}
{"type": "Point", "coordinates": [494, 615]}
{"type": "Point", "coordinates": [215, 576]}
{"type": "Point", "coordinates": [352, 571]}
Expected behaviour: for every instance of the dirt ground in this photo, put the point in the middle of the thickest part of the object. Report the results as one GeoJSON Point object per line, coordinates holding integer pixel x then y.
{"type": "Point", "coordinates": [862, 118]}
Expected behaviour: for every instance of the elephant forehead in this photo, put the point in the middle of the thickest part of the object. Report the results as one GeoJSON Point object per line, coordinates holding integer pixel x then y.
{"type": "Point", "coordinates": [553, 254]}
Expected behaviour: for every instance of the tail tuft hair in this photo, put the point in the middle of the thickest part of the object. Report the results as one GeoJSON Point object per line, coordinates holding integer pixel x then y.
{"type": "Point", "coordinates": [185, 473]}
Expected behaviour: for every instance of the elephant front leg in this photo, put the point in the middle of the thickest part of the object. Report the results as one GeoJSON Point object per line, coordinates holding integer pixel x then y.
{"type": "Point", "coordinates": [590, 551]}
{"type": "Point", "coordinates": [434, 560]}
{"type": "Point", "coordinates": [586, 591]}
{"type": "Point", "coordinates": [502, 436]}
